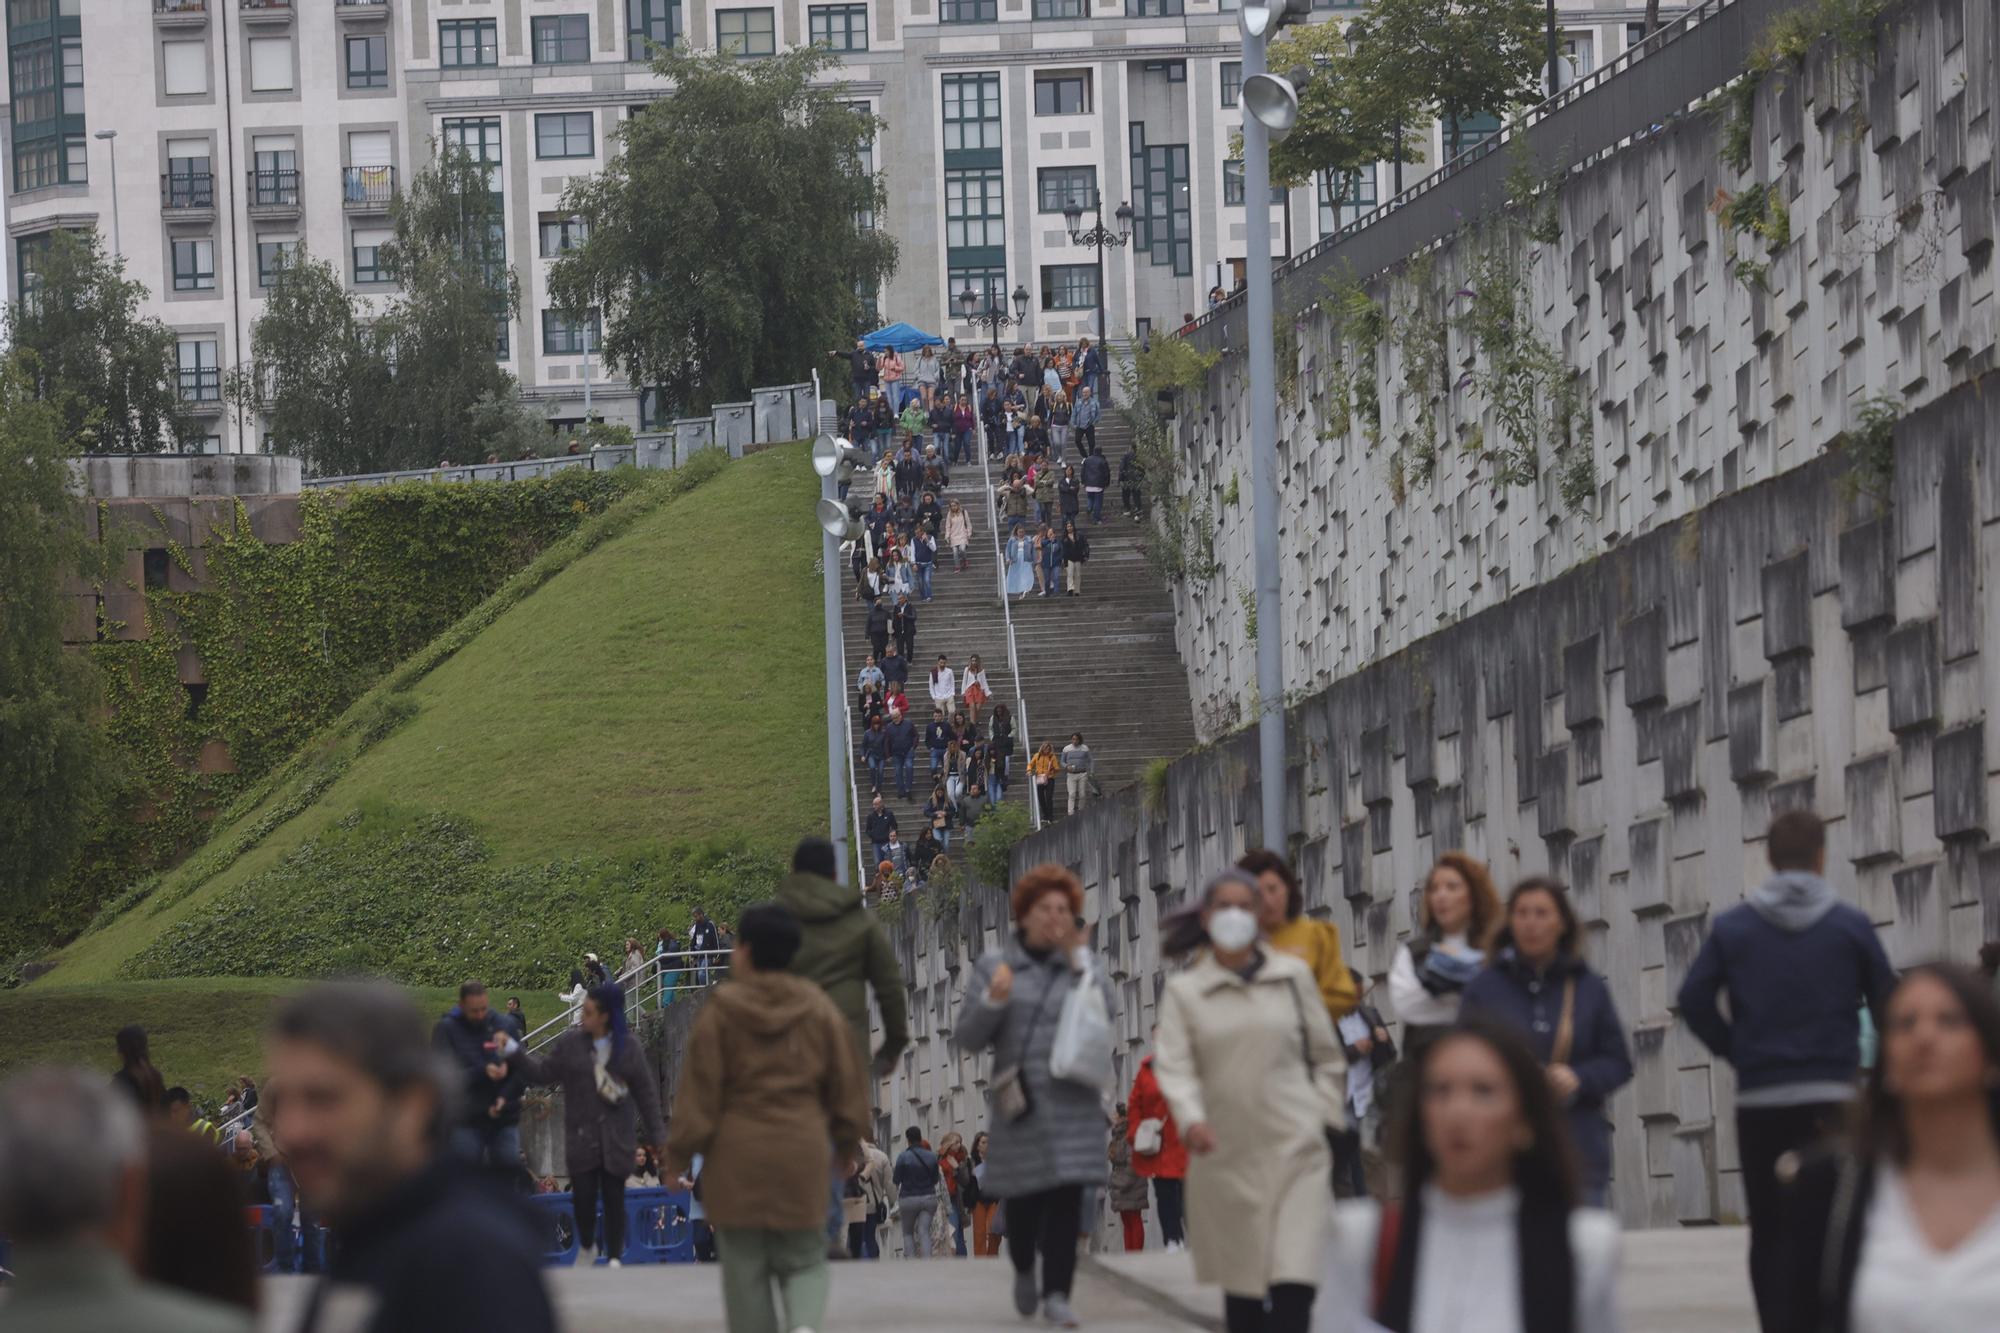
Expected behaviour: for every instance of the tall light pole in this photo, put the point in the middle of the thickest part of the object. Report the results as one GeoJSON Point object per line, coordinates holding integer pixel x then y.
{"type": "Point", "coordinates": [110, 138]}
{"type": "Point", "coordinates": [992, 317]}
{"type": "Point", "coordinates": [835, 462]}
{"type": "Point", "coordinates": [1271, 108]}
{"type": "Point", "coordinates": [1098, 238]}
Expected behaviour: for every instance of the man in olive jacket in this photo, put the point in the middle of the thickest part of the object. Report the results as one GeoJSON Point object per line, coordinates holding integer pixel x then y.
{"type": "Point", "coordinates": [845, 952]}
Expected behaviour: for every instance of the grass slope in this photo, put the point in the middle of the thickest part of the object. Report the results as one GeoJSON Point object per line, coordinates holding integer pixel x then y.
{"type": "Point", "coordinates": [661, 690]}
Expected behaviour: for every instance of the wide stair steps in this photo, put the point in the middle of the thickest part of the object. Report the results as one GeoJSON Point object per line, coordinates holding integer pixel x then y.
{"type": "Point", "coordinates": [1104, 663]}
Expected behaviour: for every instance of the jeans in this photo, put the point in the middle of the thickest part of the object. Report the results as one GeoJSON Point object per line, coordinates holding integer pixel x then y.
{"type": "Point", "coordinates": [492, 1146]}
{"type": "Point", "coordinates": [1047, 1222]}
{"type": "Point", "coordinates": [860, 388]}
{"type": "Point", "coordinates": [937, 760]}
{"type": "Point", "coordinates": [284, 1196]}
{"type": "Point", "coordinates": [755, 1258]}
{"type": "Point", "coordinates": [862, 1241]}
{"type": "Point", "coordinates": [958, 1229]}
{"type": "Point", "coordinates": [1094, 501]}
{"type": "Point", "coordinates": [924, 581]}
{"type": "Point", "coordinates": [881, 854]}
{"type": "Point", "coordinates": [585, 1187]}
{"type": "Point", "coordinates": [917, 1212]}
{"type": "Point", "coordinates": [1171, 1195]}
{"type": "Point", "coordinates": [906, 772]}
{"type": "Point", "coordinates": [993, 789]}
{"type": "Point", "coordinates": [1763, 1135]}
{"type": "Point", "coordinates": [875, 770]}
{"type": "Point", "coordinates": [961, 447]}
{"type": "Point", "coordinates": [1086, 438]}
{"type": "Point", "coordinates": [1128, 495]}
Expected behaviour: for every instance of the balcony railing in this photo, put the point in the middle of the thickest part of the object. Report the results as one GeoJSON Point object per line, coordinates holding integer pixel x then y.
{"type": "Point", "coordinates": [274, 187]}
{"type": "Point", "coordinates": [367, 189]}
{"type": "Point", "coordinates": [361, 4]}
{"type": "Point", "coordinates": [187, 190]}
{"type": "Point", "coordinates": [201, 384]}
{"type": "Point", "coordinates": [180, 6]}
{"type": "Point", "coordinates": [265, 4]}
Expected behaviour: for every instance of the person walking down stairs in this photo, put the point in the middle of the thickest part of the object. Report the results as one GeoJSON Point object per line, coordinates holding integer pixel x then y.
{"type": "Point", "coordinates": [1043, 768]}
{"type": "Point", "coordinates": [1076, 766]}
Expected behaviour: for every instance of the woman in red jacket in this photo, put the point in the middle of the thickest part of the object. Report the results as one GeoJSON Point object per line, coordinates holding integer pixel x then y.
{"type": "Point", "coordinates": [1157, 1152]}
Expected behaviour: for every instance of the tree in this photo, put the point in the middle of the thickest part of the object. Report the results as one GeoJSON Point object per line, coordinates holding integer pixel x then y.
{"type": "Point", "coordinates": [722, 242]}
{"type": "Point", "coordinates": [52, 764]}
{"type": "Point", "coordinates": [1347, 123]}
{"type": "Point", "coordinates": [110, 374]}
{"type": "Point", "coordinates": [1462, 58]}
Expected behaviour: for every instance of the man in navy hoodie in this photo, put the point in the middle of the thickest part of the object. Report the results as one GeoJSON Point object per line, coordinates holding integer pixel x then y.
{"type": "Point", "coordinates": [1798, 965]}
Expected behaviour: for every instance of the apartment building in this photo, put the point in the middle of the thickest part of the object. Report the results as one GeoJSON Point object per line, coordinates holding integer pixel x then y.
{"type": "Point", "coordinates": [208, 139]}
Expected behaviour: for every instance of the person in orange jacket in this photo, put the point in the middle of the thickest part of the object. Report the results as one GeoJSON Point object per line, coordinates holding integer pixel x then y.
{"type": "Point", "coordinates": [1157, 1154]}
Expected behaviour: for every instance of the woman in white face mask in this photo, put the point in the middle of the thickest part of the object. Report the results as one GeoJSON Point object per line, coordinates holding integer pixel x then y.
{"type": "Point", "coordinates": [1249, 1063]}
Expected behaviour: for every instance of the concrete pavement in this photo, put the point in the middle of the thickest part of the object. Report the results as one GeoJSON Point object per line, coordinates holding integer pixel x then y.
{"type": "Point", "coordinates": [1688, 1281]}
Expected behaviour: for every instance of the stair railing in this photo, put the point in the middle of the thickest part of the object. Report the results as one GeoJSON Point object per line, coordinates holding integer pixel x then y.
{"type": "Point", "coordinates": [1007, 614]}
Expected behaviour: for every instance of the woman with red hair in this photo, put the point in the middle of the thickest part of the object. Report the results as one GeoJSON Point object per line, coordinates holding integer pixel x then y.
{"type": "Point", "coordinates": [1047, 1133]}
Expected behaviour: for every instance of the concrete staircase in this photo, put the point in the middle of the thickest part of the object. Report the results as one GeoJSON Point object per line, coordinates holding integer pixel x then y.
{"type": "Point", "coordinates": [1103, 663]}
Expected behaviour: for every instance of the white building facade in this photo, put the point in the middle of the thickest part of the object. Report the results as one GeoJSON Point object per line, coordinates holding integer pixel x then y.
{"type": "Point", "coordinates": [206, 139]}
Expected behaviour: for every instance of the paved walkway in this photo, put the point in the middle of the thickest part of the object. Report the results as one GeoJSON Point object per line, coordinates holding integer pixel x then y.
{"type": "Point", "coordinates": [1690, 1281]}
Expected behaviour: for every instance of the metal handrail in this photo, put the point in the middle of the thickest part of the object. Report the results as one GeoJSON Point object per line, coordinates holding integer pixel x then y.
{"type": "Point", "coordinates": [1667, 33]}
{"type": "Point", "coordinates": [1007, 614]}
{"type": "Point", "coordinates": [648, 969]}
{"type": "Point", "coordinates": [846, 695]}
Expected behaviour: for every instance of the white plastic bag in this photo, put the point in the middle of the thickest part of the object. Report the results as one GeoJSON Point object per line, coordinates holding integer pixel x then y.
{"type": "Point", "coordinates": [1082, 1050]}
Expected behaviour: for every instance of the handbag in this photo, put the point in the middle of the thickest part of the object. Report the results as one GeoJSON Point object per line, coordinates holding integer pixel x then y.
{"type": "Point", "coordinates": [1559, 1049]}
{"type": "Point", "coordinates": [1149, 1137]}
{"type": "Point", "coordinates": [1009, 1086]}
{"type": "Point", "coordinates": [1082, 1050]}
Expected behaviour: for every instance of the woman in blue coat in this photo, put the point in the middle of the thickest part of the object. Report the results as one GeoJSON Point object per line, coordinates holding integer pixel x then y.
{"type": "Point", "coordinates": [1538, 985]}
{"type": "Point", "coordinates": [1020, 564]}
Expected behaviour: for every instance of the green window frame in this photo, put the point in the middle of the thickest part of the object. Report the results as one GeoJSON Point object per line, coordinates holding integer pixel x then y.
{"type": "Point", "coordinates": [560, 39]}
{"type": "Point", "coordinates": [975, 211]}
{"type": "Point", "coordinates": [370, 268]}
{"type": "Point", "coordinates": [565, 337]}
{"type": "Point", "coordinates": [272, 256]}
{"type": "Point", "coordinates": [1232, 82]}
{"type": "Point", "coordinates": [838, 27]}
{"type": "Point", "coordinates": [1156, 9]}
{"type": "Point", "coordinates": [1063, 92]}
{"type": "Point", "coordinates": [368, 60]}
{"type": "Point", "coordinates": [1360, 198]}
{"type": "Point", "coordinates": [565, 134]}
{"type": "Point", "coordinates": [651, 22]}
{"type": "Point", "coordinates": [746, 33]}
{"type": "Point", "coordinates": [1232, 184]}
{"type": "Point", "coordinates": [969, 11]}
{"type": "Point", "coordinates": [1069, 287]}
{"type": "Point", "coordinates": [560, 235]}
{"type": "Point", "coordinates": [971, 119]}
{"type": "Point", "coordinates": [194, 264]}
{"type": "Point", "coordinates": [1062, 9]}
{"type": "Point", "coordinates": [1055, 187]}
{"type": "Point", "coordinates": [468, 43]}
{"type": "Point", "coordinates": [1162, 217]}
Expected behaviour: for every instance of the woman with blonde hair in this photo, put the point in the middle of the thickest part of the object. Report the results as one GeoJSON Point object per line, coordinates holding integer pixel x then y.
{"type": "Point", "coordinates": [1457, 916]}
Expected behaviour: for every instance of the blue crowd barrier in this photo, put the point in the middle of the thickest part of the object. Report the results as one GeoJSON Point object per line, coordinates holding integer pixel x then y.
{"type": "Point", "coordinates": [261, 1219]}
{"type": "Point", "coordinates": [315, 1247]}
{"type": "Point", "coordinates": [658, 1229]}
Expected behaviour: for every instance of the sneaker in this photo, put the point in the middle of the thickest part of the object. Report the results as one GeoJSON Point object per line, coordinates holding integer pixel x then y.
{"type": "Point", "coordinates": [1055, 1309]}
{"type": "Point", "coordinates": [613, 1263]}
{"type": "Point", "coordinates": [1025, 1293]}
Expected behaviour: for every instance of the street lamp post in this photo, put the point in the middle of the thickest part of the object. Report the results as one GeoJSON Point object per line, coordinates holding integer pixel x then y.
{"type": "Point", "coordinates": [992, 317]}
{"type": "Point", "coordinates": [1098, 238]}
{"type": "Point", "coordinates": [110, 138]}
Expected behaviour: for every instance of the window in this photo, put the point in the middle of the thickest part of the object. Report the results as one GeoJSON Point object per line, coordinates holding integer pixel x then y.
{"type": "Point", "coordinates": [463, 43]}
{"type": "Point", "coordinates": [648, 22]}
{"type": "Point", "coordinates": [368, 61]}
{"type": "Point", "coordinates": [746, 32]}
{"type": "Point", "coordinates": [655, 412]}
{"type": "Point", "coordinates": [1340, 206]}
{"type": "Point", "coordinates": [200, 379]}
{"type": "Point", "coordinates": [274, 177]}
{"type": "Point", "coordinates": [273, 256]}
{"type": "Point", "coordinates": [562, 39]}
{"type": "Point", "coordinates": [370, 266]}
{"type": "Point", "coordinates": [1162, 216]}
{"type": "Point", "coordinates": [988, 280]}
{"type": "Point", "coordinates": [1472, 132]}
{"type": "Point", "coordinates": [194, 266]}
{"type": "Point", "coordinates": [33, 70]}
{"type": "Point", "coordinates": [1579, 48]}
{"type": "Point", "coordinates": [190, 178]}
{"type": "Point", "coordinates": [972, 115]}
{"type": "Point", "coordinates": [1232, 82]}
{"type": "Point", "coordinates": [560, 234]}
{"type": "Point", "coordinates": [974, 214]}
{"type": "Point", "coordinates": [565, 337]}
{"type": "Point", "coordinates": [76, 159]}
{"type": "Point", "coordinates": [1064, 92]}
{"type": "Point", "coordinates": [565, 134]}
{"type": "Point", "coordinates": [72, 62]}
{"type": "Point", "coordinates": [503, 342]}
{"type": "Point", "coordinates": [1060, 9]}
{"type": "Point", "coordinates": [479, 139]}
{"type": "Point", "coordinates": [270, 64]}
{"type": "Point", "coordinates": [1157, 9]}
{"type": "Point", "coordinates": [968, 11]}
{"type": "Point", "coordinates": [864, 218]}
{"type": "Point", "coordinates": [839, 27]}
{"type": "Point", "coordinates": [1069, 287]}
{"type": "Point", "coordinates": [185, 66]}
{"type": "Point", "coordinates": [1058, 186]}
{"type": "Point", "coordinates": [1232, 185]}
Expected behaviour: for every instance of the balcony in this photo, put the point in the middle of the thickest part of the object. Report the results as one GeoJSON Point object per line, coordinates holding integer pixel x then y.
{"type": "Point", "coordinates": [273, 192]}
{"type": "Point", "coordinates": [187, 196]}
{"type": "Point", "coordinates": [367, 189]}
{"type": "Point", "coordinates": [180, 13]}
{"type": "Point", "coordinates": [201, 385]}
{"type": "Point", "coordinates": [265, 13]}
{"type": "Point", "coordinates": [361, 13]}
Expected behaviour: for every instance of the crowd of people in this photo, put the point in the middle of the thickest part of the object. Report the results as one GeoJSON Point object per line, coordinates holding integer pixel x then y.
{"type": "Point", "coordinates": [1319, 1176]}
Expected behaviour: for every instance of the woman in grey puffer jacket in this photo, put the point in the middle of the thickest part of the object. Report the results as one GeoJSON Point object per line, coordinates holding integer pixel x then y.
{"type": "Point", "coordinates": [1046, 1147]}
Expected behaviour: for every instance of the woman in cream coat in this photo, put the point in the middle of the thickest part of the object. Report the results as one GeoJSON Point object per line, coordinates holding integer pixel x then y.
{"type": "Point", "coordinates": [1249, 1063]}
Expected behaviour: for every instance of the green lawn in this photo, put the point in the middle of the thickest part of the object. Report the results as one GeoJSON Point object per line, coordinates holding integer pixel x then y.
{"type": "Point", "coordinates": [662, 689]}
{"type": "Point", "coordinates": [204, 1033]}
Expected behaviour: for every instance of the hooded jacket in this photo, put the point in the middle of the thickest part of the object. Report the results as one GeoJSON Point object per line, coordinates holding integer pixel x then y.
{"type": "Point", "coordinates": [845, 954]}
{"type": "Point", "coordinates": [770, 1086]}
{"type": "Point", "coordinates": [464, 1043]}
{"type": "Point", "coordinates": [1798, 965]}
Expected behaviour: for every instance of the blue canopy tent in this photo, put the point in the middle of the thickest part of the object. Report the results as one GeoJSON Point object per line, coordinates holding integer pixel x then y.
{"type": "Point", "coordinates": [901, 337]}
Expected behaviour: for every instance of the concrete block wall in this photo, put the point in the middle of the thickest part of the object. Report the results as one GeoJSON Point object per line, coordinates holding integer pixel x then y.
{"type": "Point", "coordinates": [1698, 384]}
{"type": "Point", "coordinates": [1629, 726]}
